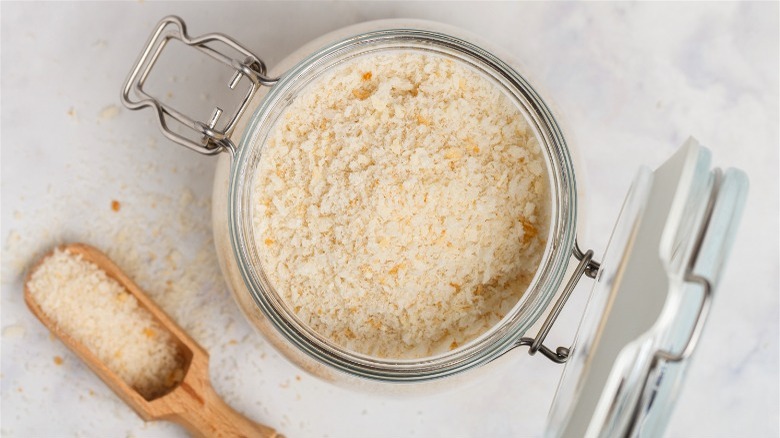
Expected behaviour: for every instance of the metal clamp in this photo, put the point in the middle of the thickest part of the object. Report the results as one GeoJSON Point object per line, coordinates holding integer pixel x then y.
{"type": "Point", "coordinates": [592, 267]}
{"type": "Point", "coordinates": [213, 140]}
{"type": "Point", "coordinates": [691, 277]}
{"type": "Point", "coordinates": [587, 267]}
{"type": "Point", "coordinates": [661, 358]}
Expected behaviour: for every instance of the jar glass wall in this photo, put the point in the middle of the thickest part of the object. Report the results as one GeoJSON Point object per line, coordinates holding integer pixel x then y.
{"type": "Point", "coordinates": [264, 306]}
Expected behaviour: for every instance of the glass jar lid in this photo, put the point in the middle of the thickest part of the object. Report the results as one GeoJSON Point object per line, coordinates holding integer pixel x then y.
{"type": "Point", "coordinates": [651, 299]}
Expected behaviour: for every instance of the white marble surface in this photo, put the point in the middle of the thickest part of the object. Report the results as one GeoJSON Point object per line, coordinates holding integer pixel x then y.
{"type": "Point", "coordinates": [631, 82]}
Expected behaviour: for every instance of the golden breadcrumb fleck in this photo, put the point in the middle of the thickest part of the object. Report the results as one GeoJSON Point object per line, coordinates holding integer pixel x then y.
{"type": "Point", "coordinates": [361, 93]}
{"type": "Point", "coordinates": [529, 230]}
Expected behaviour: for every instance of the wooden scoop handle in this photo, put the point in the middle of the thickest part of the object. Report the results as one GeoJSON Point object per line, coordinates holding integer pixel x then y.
{"type": "Point", "coordinates": [197, 407]}
{"type": "Point", "coordinates": [205, 414]}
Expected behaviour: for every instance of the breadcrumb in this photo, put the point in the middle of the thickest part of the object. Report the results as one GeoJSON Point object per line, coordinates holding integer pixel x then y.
{"type": "Point", "coordinates": [409, 201]}
{"type": "Point", "coordinates": [82, 300]}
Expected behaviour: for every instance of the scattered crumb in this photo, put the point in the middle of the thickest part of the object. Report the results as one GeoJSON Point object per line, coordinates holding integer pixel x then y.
{"type": "Point", "coordinates": [186, 199]}
{"type": "Point", "coordinates": [115, 205]}
{"type": "Point", "coordinates": [108, 112]}
{"type": "Point", "coordinates": [298, 378]}
{"type": "Point", "coordinates": [193, 292]}
{"type": "Point", "coordinates": [58, 360]}
{"type": "Point", "coordinates": [13, 238]}
{"type": "Point", "coordinates": [13, 331]}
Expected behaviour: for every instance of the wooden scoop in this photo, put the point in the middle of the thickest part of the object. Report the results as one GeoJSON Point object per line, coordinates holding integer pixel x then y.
{"type": "Point", "coordinates": [193, 402]}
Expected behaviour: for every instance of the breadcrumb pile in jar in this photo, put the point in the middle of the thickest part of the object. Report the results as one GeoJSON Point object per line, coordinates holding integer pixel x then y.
{"type": "Point", "coordinates": [401, 207]}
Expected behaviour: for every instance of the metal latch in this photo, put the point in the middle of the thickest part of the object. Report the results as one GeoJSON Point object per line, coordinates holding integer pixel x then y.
{"type": "Point", "coordinates": [587, 267]}
{"type": "Point", "coordinates": [213, 140]}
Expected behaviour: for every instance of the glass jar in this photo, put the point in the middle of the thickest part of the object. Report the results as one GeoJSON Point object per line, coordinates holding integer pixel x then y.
{"type": "Point", "coordinates": [242, 139]}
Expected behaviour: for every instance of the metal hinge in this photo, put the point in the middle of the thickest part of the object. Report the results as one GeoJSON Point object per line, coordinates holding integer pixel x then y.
{"type": "Point", "coordinates": [213, 140]}
{"type": "Point", "coordinates": [587, 267]}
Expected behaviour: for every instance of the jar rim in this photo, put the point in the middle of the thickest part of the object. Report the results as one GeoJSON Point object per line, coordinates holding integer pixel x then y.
{"type": "Point", "coordinates": [491, 344]}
